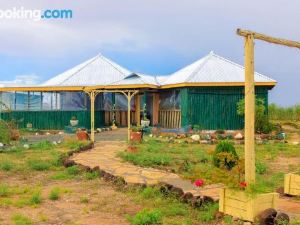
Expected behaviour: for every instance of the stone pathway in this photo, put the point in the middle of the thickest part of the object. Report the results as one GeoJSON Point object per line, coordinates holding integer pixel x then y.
{"type": "Point", "coordinates": [103, 156]}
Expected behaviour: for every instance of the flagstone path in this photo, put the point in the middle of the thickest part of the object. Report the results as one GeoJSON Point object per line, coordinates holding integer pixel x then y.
{"type": "Point", "coordinates": [103, 156]}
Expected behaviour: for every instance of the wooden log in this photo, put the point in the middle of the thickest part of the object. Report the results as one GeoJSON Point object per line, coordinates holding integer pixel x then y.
{"type": "Point", "coordinates": [267, 38]}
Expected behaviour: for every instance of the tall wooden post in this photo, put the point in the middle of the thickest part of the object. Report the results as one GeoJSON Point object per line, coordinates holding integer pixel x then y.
{"type": "Point", "coordinates": [128, 115]}
{"type": "Point", "coordinates": [137, 99]}
{"type": "Point", "coordinates": [155, 108]}
{"type": "Point", "coordinates": [249, 110]}
{"type": "Point", "coordinates": [92, 97]}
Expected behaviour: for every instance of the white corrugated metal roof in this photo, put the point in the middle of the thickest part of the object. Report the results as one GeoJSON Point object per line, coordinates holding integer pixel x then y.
{"type": "Point", "coordinates": [137, 78]}
{"type": "Point", "coordinates": [212, 68]}
{"type": "Point", "coordinates": [95, 71]}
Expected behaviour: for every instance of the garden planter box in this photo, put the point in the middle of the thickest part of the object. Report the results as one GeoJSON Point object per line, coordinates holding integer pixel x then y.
{"type": "Point", "coordinates": [292, 184]}
{"type": "Point", "coordinates": [240, 204]}
{"type": "Point", "coordinates": [135, 136]}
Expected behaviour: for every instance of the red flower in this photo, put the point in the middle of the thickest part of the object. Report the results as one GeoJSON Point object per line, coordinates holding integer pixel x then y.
{"type": "Point", "coordinates": [243, 184]}
{"type": "Point", "coordinates": [199, 183]}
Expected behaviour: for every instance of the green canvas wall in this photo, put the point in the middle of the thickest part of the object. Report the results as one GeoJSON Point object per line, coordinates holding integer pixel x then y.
{"type": "Point", "coordinates": [215, 107]}
{"type": "Point", "coordinates": [54, 120]}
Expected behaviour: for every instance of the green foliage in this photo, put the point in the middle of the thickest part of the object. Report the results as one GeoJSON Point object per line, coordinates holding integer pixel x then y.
{"type": "Point", "coordinates": [147, 217]}
{"type": "Point", "coordinates": [92, 175]}
{"type": "Point", "coordinates": [19, 219]}
{"type": "Point", "coordinates": [228, 219]}
{"type": "Point", "coordinates": [73, 170]}
{"type": "Point", "coordinates": [136, 128]}
{"type": "Point", "coordinates": [262, 124]}
{"type": "Point", "coordinates": [38, 165]}
{"type": "Point", "coordinates": [208, 212]}
{"type": "Point", "coordinates": [6, 165]}
{"type": "Point", "coordinates": [260, 167]}
{"type": "Point", "coordinates": [42, 145]}
{"type": "Point", "coordinates": [35, 198]}
{"type": "Point", "coordinates": [284, 113]}
{"type": "Point", "coordinates": [54, 194]}
{"type": "Point", "coordinates": [225, 155]}
{"type": "Point", "coordinates": [4, 190]}
{"type": "Point", "coordinates": [150, 193]}
{"type": "Point", "coordinates": [4, 132]}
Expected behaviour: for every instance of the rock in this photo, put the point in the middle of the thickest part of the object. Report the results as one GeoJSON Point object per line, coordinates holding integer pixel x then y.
{"type": "Point", "coordinates": [68, 163]}
{"type": "Point", "coordinates": [150, 135]}
{"type": "Point", "coordinates": [36, 134]}
{"type": "Point", "coordinates": [204, 142]}
{"type": "Point", "coordinates": [282, 218]}
{"type": "Point", "coordinates": [238, 136]}
{"type": "Point", "coordinates": [26, 146]}
{"type": "Point", "coordinates": [267, 217]}
{"type": "Point", "coordinates": [1, 145]}
{"type": "Point", "coordinates": [280, 190]}
{"type": "Point", "coordinates": [196, 202]}
{"type": "Point", "coordinates": [295, 143]}
{"type": "Point", "coordinates": [195, 137]}
{"type": "Point", "coordinates": [60, 133]}
{"type": "Point", "coordinates": [54, 142]}
{"type": "Point", "coordinates": [47, 133]}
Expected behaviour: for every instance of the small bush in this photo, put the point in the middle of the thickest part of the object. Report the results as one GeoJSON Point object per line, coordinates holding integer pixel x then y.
{"type": "Point", "coordinates": [54, 194]}
{"type": "Point", "coordinates": [146, 217]}
{"type": "Point", "coordinates": [260, 167]}
{"type": "Point", "coordinates": [84, 199]}
{"type": "Point", "coordinates": [149, 193]}
{"type": "Point", "coordinates": [225, 155]}
{"type": "Point", "coordinates": [43, 145]}
{"type": "Point", "coordinates": [35, 198]}
{"type": "Point", "coordinates": [38, 165]}
{"type": "Point", "coordinates": [19, 219]}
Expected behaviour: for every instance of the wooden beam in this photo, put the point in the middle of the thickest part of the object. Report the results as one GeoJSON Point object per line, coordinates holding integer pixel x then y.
{"type": "Point", "coordinates": [155, 109]}
{"type": "Point", "coordinates": [137, 99]}
{"type": "Point", "coordinates": [249, 111]}
{"type": "Point", "coordinates": [267, 38]}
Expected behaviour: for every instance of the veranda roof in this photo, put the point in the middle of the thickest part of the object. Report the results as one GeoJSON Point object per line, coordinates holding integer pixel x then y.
{"type": "Point", "coordinates": [100, 72]}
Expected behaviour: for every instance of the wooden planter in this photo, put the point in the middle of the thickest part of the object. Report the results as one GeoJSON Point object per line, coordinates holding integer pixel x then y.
{"type": "Point", "coordinates": [292, 184]}
{"type": "Point", "coordinates": [135, 136]}
{"type": "Point", "coordinates": [240, 204]}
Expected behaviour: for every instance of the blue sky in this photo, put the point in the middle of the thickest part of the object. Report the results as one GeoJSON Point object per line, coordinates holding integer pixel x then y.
{"type": "Point", "coordinates": [155, 37]}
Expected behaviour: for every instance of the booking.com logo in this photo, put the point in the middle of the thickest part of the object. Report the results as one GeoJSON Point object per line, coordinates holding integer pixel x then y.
{"type": "Point", "coordinates": [35, 14]}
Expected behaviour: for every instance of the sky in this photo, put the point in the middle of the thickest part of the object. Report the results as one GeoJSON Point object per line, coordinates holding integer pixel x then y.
{"type": "Point", "coordinates": [153, 37]}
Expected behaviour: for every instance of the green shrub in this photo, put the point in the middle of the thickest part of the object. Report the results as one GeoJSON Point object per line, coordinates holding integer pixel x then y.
{"type": "Point", "coordinates": [43, 145]}
{"type": "Point", "coordinates": [4, 132]}
{"type": "Point", "coordinates": [35, 198]}
{"type": "Point", "coordinates": [225, 155]}
{"type": "Point", "coordinates": [260, 167]}
{"type": "Point", "coordinates": [54, 194]}
{"type": "Point", "coordinates": [150, 193]}
{"type": "Point", "coordinates": [38, 165]}
{"type": "Point", "coordinates": [146, 217]}
{"type": "Point", "coordinates": [262, 124]}
{"type": "Point", "coordinates": [92, 175]}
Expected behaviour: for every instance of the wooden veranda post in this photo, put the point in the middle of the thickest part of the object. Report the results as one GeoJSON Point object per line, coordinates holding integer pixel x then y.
{"type": "Point", "coordinates": [137, 99]}
{"type": "Point", "coordinates": [249, 110]}
{"type": "Point", "coordinates": [92, 98]}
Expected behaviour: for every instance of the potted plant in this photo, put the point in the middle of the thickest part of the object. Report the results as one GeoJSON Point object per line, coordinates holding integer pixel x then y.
{"type": "Point", "coordinates": [82, 135]}
{"type": "Point", "coordinates": [74, 121]}
{"type": "Point", "coordinates": [145, 122]}
{"type": "Point", "coordinates": [136, 134]}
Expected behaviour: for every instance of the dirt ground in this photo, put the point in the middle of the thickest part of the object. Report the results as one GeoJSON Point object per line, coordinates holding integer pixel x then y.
{"type": "Point", "coordinates": [85, 202]}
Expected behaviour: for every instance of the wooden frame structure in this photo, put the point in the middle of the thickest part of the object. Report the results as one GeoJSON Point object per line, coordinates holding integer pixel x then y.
{"type": "Point", "coordinates": [237, 203]}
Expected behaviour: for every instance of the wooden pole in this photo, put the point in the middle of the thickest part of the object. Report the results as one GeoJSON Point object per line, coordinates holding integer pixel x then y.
{"type": "Point", "coordinates": [249, 110]}
{"type": "Point", "coordinates": [137, 99]}
{"type": "Point", "coordinates": [128, 115]}
{"type": "Point", "coordinates": [155, 109]}
{"type": "Point", "coordinates": [92, 97]}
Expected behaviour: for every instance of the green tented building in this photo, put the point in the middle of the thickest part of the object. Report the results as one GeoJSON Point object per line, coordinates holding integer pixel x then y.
{"type": "Point", "coordinates": [204, 93]}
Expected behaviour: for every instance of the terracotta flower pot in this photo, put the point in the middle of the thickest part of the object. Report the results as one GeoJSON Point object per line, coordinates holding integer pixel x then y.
{"type": "Point", "coordinates": [15, 135]}
{"type": "Point", "coordinates": [82, 135]}
{"type": "Point", "coordinates": [135, 136]}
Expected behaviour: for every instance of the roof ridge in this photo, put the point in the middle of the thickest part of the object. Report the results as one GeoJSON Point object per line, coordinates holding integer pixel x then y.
{"type": "Point", "coordinates": [91, 60]}
{"type": "Point", "coordinates": [200, 66]}
{"type": "Point", "coordinates": [240, 66]}
{"type": "Point", "coordinates": [110, 62]}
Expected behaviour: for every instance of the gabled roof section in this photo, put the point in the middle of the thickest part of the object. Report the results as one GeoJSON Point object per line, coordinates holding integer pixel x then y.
{"type": "Point", "coordinates": [214, 69]}
{"type": "Point", "coordinates": [98, 70]}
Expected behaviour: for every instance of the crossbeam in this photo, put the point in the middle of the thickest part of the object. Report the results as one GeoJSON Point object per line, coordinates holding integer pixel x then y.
{"type": "Point", "coordinates": [263, 37]}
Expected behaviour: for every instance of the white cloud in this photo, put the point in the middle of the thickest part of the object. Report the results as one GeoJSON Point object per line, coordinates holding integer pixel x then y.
{"type": "Point", "coordinates": [21, 80]}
